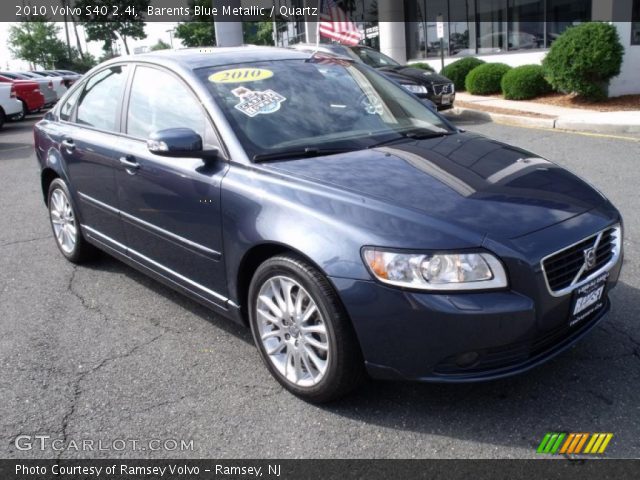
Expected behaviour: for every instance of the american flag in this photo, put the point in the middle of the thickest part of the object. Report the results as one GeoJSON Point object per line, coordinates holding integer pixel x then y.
{"type": "Point", "coordinates": [335, 24]}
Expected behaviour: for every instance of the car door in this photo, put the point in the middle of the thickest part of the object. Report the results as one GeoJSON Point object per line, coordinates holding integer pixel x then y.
{"type": "Point", "coordinates": [170, 207]}
{"type": "Point", "coordinates": [89, 132]}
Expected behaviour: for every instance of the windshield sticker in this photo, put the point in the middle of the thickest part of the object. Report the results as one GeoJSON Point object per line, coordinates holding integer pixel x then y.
{"type": "Point", "coordinates": [372, 105]}
{"type": "Point", "coordinates": [241, 75]}
{"type": "Point", "coordinates": [254, 102]}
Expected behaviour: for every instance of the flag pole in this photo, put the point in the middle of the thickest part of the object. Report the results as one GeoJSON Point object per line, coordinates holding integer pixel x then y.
{"type": "Point", "coordinates": [318, 27]}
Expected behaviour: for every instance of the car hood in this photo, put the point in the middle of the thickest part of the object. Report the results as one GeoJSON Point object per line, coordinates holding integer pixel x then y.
{"type": "Point", "coordinates": [417, 74]}
{"type": "Point", "coordinates": [465, 179]}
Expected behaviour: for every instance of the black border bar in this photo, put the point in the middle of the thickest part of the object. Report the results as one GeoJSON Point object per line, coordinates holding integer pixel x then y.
{"type": "Point", "coordinates": [547, 469]}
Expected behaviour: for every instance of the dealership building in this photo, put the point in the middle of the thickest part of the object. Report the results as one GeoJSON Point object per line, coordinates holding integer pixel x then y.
{"type": "Point", "coordinates": [515, 32]}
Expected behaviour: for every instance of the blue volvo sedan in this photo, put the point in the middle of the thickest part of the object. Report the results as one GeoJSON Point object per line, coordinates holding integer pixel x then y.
{"type": "Point", "coordinates": [352, 228]}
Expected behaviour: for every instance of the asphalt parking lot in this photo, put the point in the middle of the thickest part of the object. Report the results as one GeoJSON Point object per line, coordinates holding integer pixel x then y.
{"type": "Point", "coordinates": [101, 352]}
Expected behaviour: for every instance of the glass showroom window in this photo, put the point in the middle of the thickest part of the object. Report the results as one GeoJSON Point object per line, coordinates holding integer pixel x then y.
{"type": "Point", "coordinates": [459, 28]}
{"type": "Point", "coordinates": [491, 26]}
{"type": "Point", "coordinates": [562, 14]}
{"type": "Point", "coordinates": [635, 23]}
{"type": "Point", "coordinates": [526, 26]}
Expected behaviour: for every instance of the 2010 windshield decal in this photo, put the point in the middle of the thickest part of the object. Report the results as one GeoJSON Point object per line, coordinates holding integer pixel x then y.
{"type": "Point", "coordinates": [255, 102]}
{"type": "Point", "coordinates": [241, 75]}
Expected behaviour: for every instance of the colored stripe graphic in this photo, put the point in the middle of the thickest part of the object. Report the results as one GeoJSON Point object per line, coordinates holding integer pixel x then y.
{"type": "Point", "coordinates": [582, 442]}
{"type": "Point", "coordinates": [573, 443]}
{"type": "Point", "coordinates": [543, 443]}
{"type": "Point", "coordinates": [556, 445]}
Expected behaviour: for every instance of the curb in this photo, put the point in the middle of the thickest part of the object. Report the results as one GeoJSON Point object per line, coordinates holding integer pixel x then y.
{"type": "Point", "coordinates": [463, 115]}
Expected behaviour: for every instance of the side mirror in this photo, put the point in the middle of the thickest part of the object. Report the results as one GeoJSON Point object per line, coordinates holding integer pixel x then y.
{"type": "Point", "coordinates": [179, 143]}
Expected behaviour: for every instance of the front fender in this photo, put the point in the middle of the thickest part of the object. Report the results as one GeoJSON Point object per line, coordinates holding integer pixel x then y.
{"type": "Point", "coordinates": [327, 225]}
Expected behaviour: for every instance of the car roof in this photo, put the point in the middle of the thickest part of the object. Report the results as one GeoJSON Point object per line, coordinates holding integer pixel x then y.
{"type": "Point", "coordinates": [194, 58]}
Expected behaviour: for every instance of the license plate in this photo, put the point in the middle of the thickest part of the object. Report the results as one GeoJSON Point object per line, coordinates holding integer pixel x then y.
{"type": "Point", "coordinates": [588, 299]}
{"type": "Point", "coordinates": [446, 99]}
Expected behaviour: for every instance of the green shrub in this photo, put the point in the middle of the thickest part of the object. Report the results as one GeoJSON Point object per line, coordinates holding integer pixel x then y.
{"type": "Point", "coordinates": [457, 71]}
{"type": "Point", "coordinates": [584, 58]}
{"type": "Point", "coordinates": [485, 79]}
{"type": "Point", "coordinates": [525, 82]}
{"type": "Point", "coordinates": [422, 66]}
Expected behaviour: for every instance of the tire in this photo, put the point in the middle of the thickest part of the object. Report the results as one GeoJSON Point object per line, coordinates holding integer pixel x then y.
{"type": "Point", "coordinates": [2, 118]}
{"type": "Point", "coordinates": [321, 343]}
{"type": "Point", "coordinates": [65, 224]}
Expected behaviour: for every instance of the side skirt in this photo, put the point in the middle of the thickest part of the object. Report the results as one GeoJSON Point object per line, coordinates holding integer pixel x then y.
{"type": "Point", "coordinates": [230, 311]}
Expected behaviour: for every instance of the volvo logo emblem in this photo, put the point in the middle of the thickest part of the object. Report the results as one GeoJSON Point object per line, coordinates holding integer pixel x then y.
{"type": "Point", "coordinates": [589, 258]}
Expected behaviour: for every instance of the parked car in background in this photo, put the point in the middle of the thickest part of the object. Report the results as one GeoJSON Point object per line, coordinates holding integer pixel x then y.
{"type": "Point", "coordinates": [424, 84]}
{"type": "Point", "coordinates": [28, 92]}
{"type": "Point", "coordinates": [45, 84]}
{"type": "Point", "coordinates": [69, 79]}
{"type": "Point", "coordinates": [59, 86]}
{"type": "Point", "coordinates": [320, 203]}
{"type": "Point", "coordinates": [10, 106]}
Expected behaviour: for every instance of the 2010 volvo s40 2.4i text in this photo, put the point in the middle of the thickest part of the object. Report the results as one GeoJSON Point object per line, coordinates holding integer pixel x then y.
{"type": "Point", "coordinates": [354, 230]}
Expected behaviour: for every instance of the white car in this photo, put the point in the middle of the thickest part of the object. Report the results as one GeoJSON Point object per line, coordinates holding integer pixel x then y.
{"type": "Point", "coordinates": [59, 86]}
{"type": "Point", "coordinates": [45, 85]}
{"type": "Point", "coordinates": [10, 106]}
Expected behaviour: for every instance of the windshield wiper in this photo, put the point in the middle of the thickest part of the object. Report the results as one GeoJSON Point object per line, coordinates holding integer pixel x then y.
{"type": "Point", "coordinates": [307, 152]}
{"type": "Point", "coordinates": [412, 135]}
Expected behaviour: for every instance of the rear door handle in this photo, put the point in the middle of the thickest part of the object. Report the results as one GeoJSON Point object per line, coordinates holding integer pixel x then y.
{"type": "Point", "coordinates": [68, 144]}
{"type": "Point", "coordinates": [129, 162]}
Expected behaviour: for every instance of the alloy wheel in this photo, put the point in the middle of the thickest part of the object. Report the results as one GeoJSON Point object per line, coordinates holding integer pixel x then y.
{"type": "Point", "coordinates": [292, 331]}
{"type": "Point", "coordinates": [63, 221]}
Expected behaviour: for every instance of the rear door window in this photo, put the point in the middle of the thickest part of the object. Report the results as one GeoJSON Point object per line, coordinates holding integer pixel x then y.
{"type": "Point", "coordinates": [99, 103]}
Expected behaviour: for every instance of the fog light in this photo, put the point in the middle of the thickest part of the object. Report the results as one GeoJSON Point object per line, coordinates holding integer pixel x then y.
{"type": "Point", "coordinates": [467, 359]}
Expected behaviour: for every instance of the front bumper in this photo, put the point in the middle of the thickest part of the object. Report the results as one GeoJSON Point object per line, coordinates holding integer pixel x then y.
{"type": "Point", "coordinates": [442, 101]}
{"type": "Point", "coordinates": [462, 337]}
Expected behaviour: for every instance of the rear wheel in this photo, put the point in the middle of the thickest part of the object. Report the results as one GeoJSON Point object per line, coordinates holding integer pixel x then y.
{"type": "Point", "coordinates": [2, 117]}
{"type": "Point", "coordinates": [65, 225]}
{"type": "Point", "coordinates": [302, 331]}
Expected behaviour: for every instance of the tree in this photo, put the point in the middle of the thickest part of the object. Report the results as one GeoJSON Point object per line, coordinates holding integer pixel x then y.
{"type": "Point", "coordinates": [37, 42]}
{"type": "Point", "coordinates": [76, 63]}
{"type": "Point", "coordinates": [106, 28]}
{"type": "Point", "coordinates": [258, 33]}
{"type": "Point", "coordinates": [200, 30]}
{"type": "Point", "coordinates": [160, 45]}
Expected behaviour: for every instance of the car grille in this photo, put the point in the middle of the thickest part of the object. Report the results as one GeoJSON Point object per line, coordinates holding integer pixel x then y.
{"type": "Point", "coordinates": [443, 88]}
{"type": "Point", "coordinates": [509, 356]}
{"type": "Point", "coordinates": [567, 268]}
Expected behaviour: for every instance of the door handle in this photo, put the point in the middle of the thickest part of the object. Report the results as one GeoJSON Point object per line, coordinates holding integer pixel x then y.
{"type": "Point", "coordinates": [68, 144]}
{"type": "Point", "coordinates": [129, 164]}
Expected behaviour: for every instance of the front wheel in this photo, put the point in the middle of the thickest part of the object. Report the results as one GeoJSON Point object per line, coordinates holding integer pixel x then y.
{"type": "Point", "coordinates": [302, 331]}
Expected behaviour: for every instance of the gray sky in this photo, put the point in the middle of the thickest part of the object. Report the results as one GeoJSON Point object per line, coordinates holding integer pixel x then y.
{"type": "Point", "coordinates": [154, 31]}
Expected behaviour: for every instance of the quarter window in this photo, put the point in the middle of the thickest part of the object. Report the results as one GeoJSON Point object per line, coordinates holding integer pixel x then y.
{"type": "Point", "coordinates": [66, 111]}
{"type": "Point", "coordinates": [159, 101]}
{"type": "Point", "coordinates": [100, 100]}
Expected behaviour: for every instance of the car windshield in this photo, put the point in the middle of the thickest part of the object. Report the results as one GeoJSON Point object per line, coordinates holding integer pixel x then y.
{"type": "Point", "coordinates": [374, 58]}
{"type": "Point", "coordinates": [316, 105]}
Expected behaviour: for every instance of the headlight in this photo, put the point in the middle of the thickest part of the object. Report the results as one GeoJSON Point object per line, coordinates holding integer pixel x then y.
{"type": "Point", "coordinates": [452, 87]}
{"type": "Point", "coordinates": [437, 271]}
{"type": "Point", "coordinates": [413, 88]}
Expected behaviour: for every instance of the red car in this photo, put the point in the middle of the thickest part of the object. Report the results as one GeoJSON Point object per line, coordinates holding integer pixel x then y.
{"type": "Point", "coordinates": [28, 92]}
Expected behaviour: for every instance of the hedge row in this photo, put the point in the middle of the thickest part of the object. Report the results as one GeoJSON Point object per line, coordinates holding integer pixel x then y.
{"type": "Point", "coordinates": [582, 60]}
